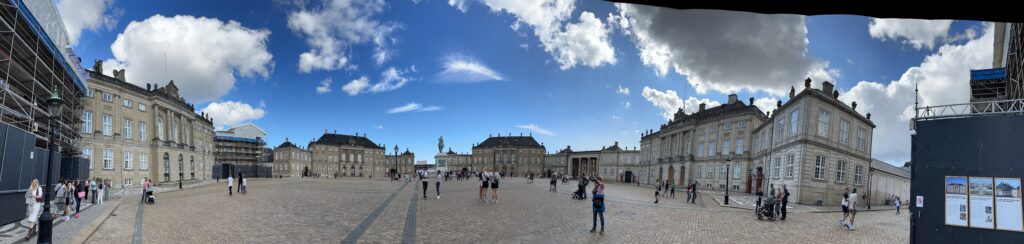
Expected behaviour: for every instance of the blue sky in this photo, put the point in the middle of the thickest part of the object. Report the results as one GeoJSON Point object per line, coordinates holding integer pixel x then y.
{"type": "Point", "coordinates": [500, 67]}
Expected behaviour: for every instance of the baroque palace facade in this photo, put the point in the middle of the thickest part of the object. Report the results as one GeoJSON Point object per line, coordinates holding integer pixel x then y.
{"type": "Point", "coordinates": [346, 155]}
{"type": "Point", "coordinates": [509, 155]}
{"type": "Point", "coordinates": [129, 132]}
{"type": "Point", "coordinates": [814, 144]}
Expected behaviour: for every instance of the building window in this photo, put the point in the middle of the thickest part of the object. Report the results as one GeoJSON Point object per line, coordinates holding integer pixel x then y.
{"type": "Point", "coordinates": [794, 120]}
{"type": "Point", "coordinates": [88, 92]}
{"type": "Point", "coordinates": [160, 128]}
{"type": "Point", "coordinates": [142, 107]}
{"type": "Point", "coordinates": [700, 131]}
{"type": "Point", "coordinates": [724, 172]}
{"type": "Point", "coordinates": [790, 165]}
{"type": "Point", "coordinates": [699, 171]}
{"type": "Point", "coordinates": [740, 142]}
{"type": "Point", "coordinates": [107, 97]}
{"type": "Point", "coordinates": [127, 182]}
{"type": "Point", "coordinates": [108, 122]}
{"type": "Point", "coordinates": [87, 153]}
{"type": "Point", "coordinates": [823, 127]}
{"type": "Point", "coordinates": [142, 131]}
{"type": "Point", "coordinates": [860, 138]}
{"type": "Point", "coordinates": [776, 167]}
{"type": "Point", "coordinates": [726, 126]}
{"type": "Point", "coordinates": [780, 128]}
{"type": "Point", "coordinates": [714, 129]}
{"type": "Point", "coordinates": [844, 132]}
{"type": "Point", "coordinates": [86, 122]}
{"type": "Point", "coordinates": [736, 171]}
{"type": "Point", "coordinates": [711, 149]}
{"type": "Point", "coordinates": [143, 161]}
{"type": "Point", "coordinates": [108, 158]}
{"type": "Point", "coordinates": [127, 160]}
{"type": "Point", "coordinates": [840, 171]}
{"type": "Point", "coordinates": [700, 150]}
{"type": "Point", "coordinates": [819, 168]}
{"type": "Point", "coordinates": [858, 174]}
{"type": "Point", "coordinates": [725, 146]}
{"type": "Point", "coordinates": [127, 103]}
{"type": "Point", "coordinates": [127, 129]}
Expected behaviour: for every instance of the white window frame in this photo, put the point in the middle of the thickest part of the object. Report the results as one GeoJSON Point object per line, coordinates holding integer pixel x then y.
{"type": "Point", "coordinates": [108, 158]}
{"type": "Point", "coordinates": [736, 171]}
{"type": "Point", "coordinates": [108, 125]}
{"type": "Point", "coordinates": [127, 160]}
{"type": "Point", "coordinates": [776, 167]}
{"type": "Point", "coordinates": [844, 132]}
{"type": "Point", "coordinates": [700, 149]}
{"type": "Point", "coordinates": [794, 122]}
{"type": "Point", "coordinates": [725, 146]}
{"type": "Point", "coordinates": [127, 133]}
{"type": "Point", "coordinates": [143, 161]}
{"type": "Point", "coordinates": [711, 149]}
{"type": "Point", "coordinates": [87, 122]}
{"type": "Point", "coordinates": [840, 171]}
{"type": "Point", "coordinates": [858, 174]}
{"type": "Point", "coordinates": [107, 97]}
{"type": "Point", "coordinates": [819, 167]}
{"type": "Point", "coordinates": [127, 103]}
{"type": "Point", "coordinates": [860, 138]}
{"type": "Point", "coordinates": [87, 153]}
{"type": "Point", "coordinates": [780, 129]}
{"type": "Point", "coordinates": [142, 107]}
{"type": "Point", "coordinates": [88, 92]}
{"type": "Point", "coordinates": [823, 123]}
{"type": "Point", "coordinates": [790, 165]}
{"type": "Point", "coordinates": [740, 142]}
{"type": "Point", "coordinates": [142, 131]}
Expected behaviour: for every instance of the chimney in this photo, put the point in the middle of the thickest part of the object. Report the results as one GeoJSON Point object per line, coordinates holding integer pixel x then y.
{"type": "Point", "coordinates": [732, 98]}
{"type": "Point", "coordinates": [616, 143]}
{"type": "Point", "coordinates": [826, 87]}
{"type": "Point", "coordinates": [702, 107]}
{"type": "Point", "coordinates": [335, 131]}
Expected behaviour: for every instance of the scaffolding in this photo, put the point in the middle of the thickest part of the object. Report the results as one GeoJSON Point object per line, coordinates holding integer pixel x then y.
{"type": "Point", "coordinates": [31, 68]}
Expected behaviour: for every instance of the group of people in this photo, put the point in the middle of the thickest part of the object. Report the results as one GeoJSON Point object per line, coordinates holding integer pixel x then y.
{"type": "Point", "coordinates": [670, 187]}
{"type": "Point", "coordinates": [425, 178]}
{"type": "Point", "coordinates": [242, 184]}
{"type": "Point", "coordinates": [69, 195]}
{"type": "Point", "coordinates": [489, 179]}
{"type": "Point", "coordinates": [849, 204]}
{"type": "Point", "coordinates": [775, 203]}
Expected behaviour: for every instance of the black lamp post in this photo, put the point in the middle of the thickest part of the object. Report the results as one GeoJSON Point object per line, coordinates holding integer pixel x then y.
{"type": "Point", "coordinates": [727, 186]}
{"type": "Point", "coordinates": [396, 159]}
{"type": "Point", "coordinates": [181, 169]}
{"type": "Point", "coordinates": [55, 105]}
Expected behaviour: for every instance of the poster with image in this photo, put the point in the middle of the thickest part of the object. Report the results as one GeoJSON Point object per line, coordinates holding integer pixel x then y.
{"type": "Point", "coordinates": [981, 207]}
{"type": "Point", "coordinates": [1008, 204]}
{"type": "Point", "coordinates": [956, 200]}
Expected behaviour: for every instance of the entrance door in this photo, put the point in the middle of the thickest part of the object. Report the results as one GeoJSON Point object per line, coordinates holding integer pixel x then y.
{"type": "Point", "coordinates": [628, 177]}
{"type": "Point", "coordinates": [671, 173]}
{"type": "Point", "coordinates": [682, 175]}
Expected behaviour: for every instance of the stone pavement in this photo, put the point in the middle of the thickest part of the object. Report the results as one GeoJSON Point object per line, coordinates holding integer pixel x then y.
{"type": "Point", "coordinates": [380, 211]}
{"type": "Point", "coordinates": [63, 231]}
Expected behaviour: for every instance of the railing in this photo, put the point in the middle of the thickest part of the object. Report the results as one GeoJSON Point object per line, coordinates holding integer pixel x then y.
{"type": "Point", "coordinates": [970, 109]}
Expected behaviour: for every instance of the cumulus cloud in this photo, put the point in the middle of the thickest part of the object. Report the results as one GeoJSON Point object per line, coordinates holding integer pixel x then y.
{"type": "Point", "coordinates": [766, 104]}
{"type": "Point", "coordinates": [916, 32]}
{"type": "Point", "coordinates": [623, 90]}
{"type": "Point", "coordinates": [536, 129]}
{"type": "Point", "coordinates": [943, 78]}
{"type": "Point", "coordinates": [356, 86]}
{"type": "Point", "coordinates": [334, 26]}
{"type": "Point", "coordinates": [670, 103]}
{"type": "Point", "coordinates": [461, 68]}
{"type": "Point", "coordinates": [80, 15]}
{"type": "Point", "coordinates": [722, 50]}
{"type": "Point", "coordinates": [461, 5]}
{"type": "Point", "coordinates": [202, 54]}
{"type": "Point", "coordinates": [413, 107]}
{"type": "Point", "coordinates": [231, 113]}
{"type": "Point", "coordinates": [583, 43]}
{"type": "Point", "coordinates": [324, 87]}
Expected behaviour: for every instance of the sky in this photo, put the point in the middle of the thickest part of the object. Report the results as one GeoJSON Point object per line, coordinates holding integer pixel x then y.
{"type": "Point", "coordinates": [579, 73]}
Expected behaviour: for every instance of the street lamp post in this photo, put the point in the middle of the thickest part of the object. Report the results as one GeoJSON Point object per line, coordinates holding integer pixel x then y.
{"type": "Point", "coordinates": [396, 158]}
{"type": "Point", "coordinates": [46, 221]}
{"type": "Point", "coordinates": [727, 185]}
{"type": "Point", "coordinates": [181, 169]}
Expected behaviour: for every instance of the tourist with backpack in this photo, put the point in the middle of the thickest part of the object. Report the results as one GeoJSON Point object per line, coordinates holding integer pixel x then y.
{"type": "Point", "coordinates": [494, 186]}
{"type": "Point", "coordinates": [599, 206]}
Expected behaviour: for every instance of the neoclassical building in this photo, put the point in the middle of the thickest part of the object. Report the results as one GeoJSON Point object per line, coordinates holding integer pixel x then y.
{"type": "Point", "coordinates": [401, 163]}
{"type": "Point", "coordinates": [240, 150]}
{"type": "Point", "coordinates": [346, 155]}
{"type": "Point", "coordinates": [611, 163]}
{"type": "Point", "coordinates": [291, 161]}
{"type": "Point", "coordinates": [706, 146]}
{"type": "Point", "coordinates": [509, 155]}
{"type": "Point", "coordinates": [815, 145]}
{"type": "Point", "coordinates": [130, 132]}
{"type": "Point", "coordinates": [453, 161]}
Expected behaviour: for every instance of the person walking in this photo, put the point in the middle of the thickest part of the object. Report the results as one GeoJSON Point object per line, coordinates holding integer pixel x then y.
{"type": "Point", "coordinates": [757, 204]}
{"type": "Point", "coordinates": [599, 206]}
{"type": "Point", "coordinates": [231, 182]}
{"type": "Point", "coordinates": [34, 204]}
{"type": "Point", "coordinates": [494, 187]}
{"type": "Point", "coordinates": [553, 185]}
{"type": "Point", "coordinates": [239, 189]}
{"type": "Point", "coordinates": [898, 203]}
{"type": "Point", "coordinates": [101, 190]}
{"type": "Point", "coordinates": [853, 208]}
{"type": "Point", "coordinates": [657, 192]}
{"type": "Point", "coordinates": [485, 182]}
{"type": "Point", "coordinates": [245, 184]}
{"type": "Point", "coordinates": [785, 200]}
{"type": "Point", "coordinates": [423, 178]}
{"type": "Point", "coordinates": [92, 190]}
{"type": "Point", "coordinates": [437, 183]}
{"type": "Point", "coordinates": [81, 190]}
{"type": "Point", "coordinates": [694, 200]}
{"type": "Point", "coordinates": [672, 193]}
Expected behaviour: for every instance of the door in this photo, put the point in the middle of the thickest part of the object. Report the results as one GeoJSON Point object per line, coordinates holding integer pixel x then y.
{"type": "Point", "coordinates": [628, 177]}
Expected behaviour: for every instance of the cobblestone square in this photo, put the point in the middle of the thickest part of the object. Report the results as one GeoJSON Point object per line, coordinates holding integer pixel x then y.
{"type": "Point", "coordinates": [380, 211]}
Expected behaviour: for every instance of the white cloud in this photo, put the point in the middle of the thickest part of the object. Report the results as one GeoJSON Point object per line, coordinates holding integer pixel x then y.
{"type": "Point", "coordinates": [356, 86]}
{"type": "Point", "coordinates": [391, 79]}
{"type": "Point", "coordinates": [583, 43]}
{"type": "Point", "coordinates": [413, 107]}
{"type": "Point", "coordinates": [79, 15]}
{"type": "Point", "coordinates": [616, 117]}
{"type": "Point", "coordinates": [766, 104]}
{"type": "Point", "coordinates": [334, 26]}
{"type": "Point", "coordinates": [627, 104]}
{"type": "Point", "coordinates": [623, 90]}
{"type": "Point", "coordinates": [324, 87]}
{"type": "Point", "coordinates": [230, 113]}
{"type": "Point", "coordinates": [536, 129]}
{"type": "Point", "coordinates": [942, 78]}
{"type": "Point", "coordinates": [670, 103]}
{"type": "Point", "coordinates": [202, 54]}
{"type": "Point", "coordinates": [722, 50]}
{"type": "Point", "coordinates": [461, 68]}
{"type": "Point", "coordinates": [916, 32]}
{"type": "Point", "coordinates": [692, 104]}
{"type": "Point", "coordinates": [379, 127]}
{"type": "Point", "coordinates": [461, 5]}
